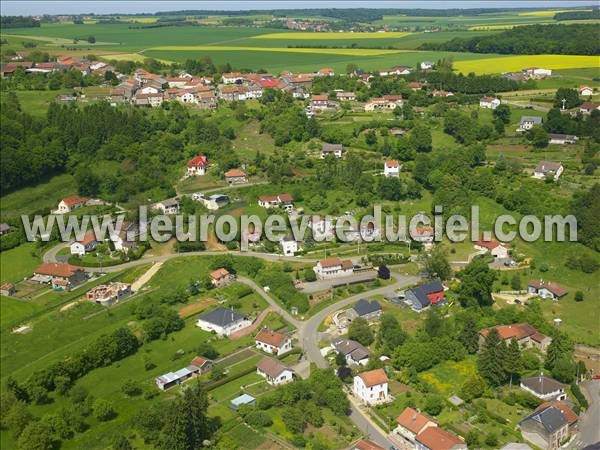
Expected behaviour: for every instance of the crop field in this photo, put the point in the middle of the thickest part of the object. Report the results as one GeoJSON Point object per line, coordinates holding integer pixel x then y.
{"type": "Point", "coordinates": [332, 35]}
{"type": "Point", "coordinates": [516, 63]}
{"type": "Point", "coordinates": [327, 51]}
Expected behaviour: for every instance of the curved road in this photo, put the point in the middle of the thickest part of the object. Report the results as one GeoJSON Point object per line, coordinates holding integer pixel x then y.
{"type": "Point", "coordinates": [307, 331]}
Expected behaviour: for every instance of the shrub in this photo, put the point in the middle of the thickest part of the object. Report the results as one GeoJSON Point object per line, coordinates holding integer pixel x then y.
{"type": "Point", "coordinates": [578, 296]}
{"type": "Point", "coordinates": [130, 388]}
{"type": "Point", "coordinates": [103, 410]}
{"type": "Point", "coordinates": [258, 418]}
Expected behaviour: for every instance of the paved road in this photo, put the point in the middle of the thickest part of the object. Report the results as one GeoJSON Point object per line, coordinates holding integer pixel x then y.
{"type": "Point", "coordinates": [307, 331]}
{"type": "Point", "coordinates": [308, 337]}
{"type": "Point", "coordinates": [589, 429]}
{"type": "Point", "coordinates": [525, 104]}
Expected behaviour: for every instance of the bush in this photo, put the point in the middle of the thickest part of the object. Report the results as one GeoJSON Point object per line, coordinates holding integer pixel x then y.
{"type": "Point", "coordinates": [130, 388]}
{"type": "Point", "coordinates": [578, 296]}
{"type": "Point", "coordinates": [309, 274]}
{"type": "Point", "coordinates": [103, 410]}
{"type": "Point", "coordinates": [258, 419]}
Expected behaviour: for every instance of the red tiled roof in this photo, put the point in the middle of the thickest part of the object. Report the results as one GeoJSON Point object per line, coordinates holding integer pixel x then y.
{"type": "Point", "coordinates": [88, 238]}
{"type": "Point", "coordinates": [235, 173]}
{"type": "Point", "coordinates": [373, 377]}
{"type": "Point", "coordinates": [490, 245]}
{"type": "Point", "coordinates": [219, 273]}
{"type": "Point", "coordinates": [436, 438]}
{"type": "Point", "coordinates": [412, 420]}
{"type": "Point", "coordinates": [555, 288]}
{"type": "Point", "coordinates": [330, 262]}
{"type": "Point", "coordinates": [198, 161]}
{"type": "Point", "coordinates": [320, 97]}
{"type": "Point", "coordinates": [73, 200]}
{"type": "Point", "coordinates": [271, 337]}
{"type": "Point", "coordinates": [365, 444]}
{"type": "Point", "coordinates": [516, 330]}
{"type": "Point", "coordinates": [392, 163]}
{"type": "Point", "coordinates": [570, 416]}
{"type": "Point", "coordinates": [199, 361]}
{"type": "Point", "coordinates": [57, 269]}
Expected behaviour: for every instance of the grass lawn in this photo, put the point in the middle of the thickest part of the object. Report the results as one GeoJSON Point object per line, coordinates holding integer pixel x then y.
{"type": "Point", "coordinates": [44, 196]}
{"type": "Point", "coordinates": [36, 102]}
{"type": "Point", "coordinates": [19, 262]}
{"type": "Point", "coordinates": [448, 377]}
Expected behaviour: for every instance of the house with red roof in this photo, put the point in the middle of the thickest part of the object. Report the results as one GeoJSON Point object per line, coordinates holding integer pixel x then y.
{"type": "Point", "coordinates": [495, 248]}
{"type": "Point", "coordinates": [436, 438]}
{"type": "Point", "coordinates": [197, 165]}
{"type": "Point", "coordinates": [85, 245]}
{"type": "Point", "coordinates": [220, 277]}
{"type": "Point", "coordinates": [333, 268]}
{"type": "Point", "coordinates": [410, 423]}
{"type": "Point", "coordinates": [203, 364]}
{"type": "Point", "coordinates": [546, 289]}
{"type": "Point", "coordinates": [235, 176]}
{"type": "Point", "coordinates": [391, 168]}
{"type": "Point", "coordinates": [525, 335]}
{"type": "Point", "coordinates": [489, 102]}
{"type": "Point", "coordinates": [68, 204]}
{"type": "Point", "coordinates": [276, 201]}
{"type": "Point", "coordinates": [60, 276]}
{"type": "Point", "coordinates": [326, 72]}
{"type": "Point", "coordinates": [371, 387]}
{"type": "Point", "coordinates": [273, 342]}
{"type": "Point", "coordinates": [319, 102]}
{"type": "Point", "coordinates": [585, 91]}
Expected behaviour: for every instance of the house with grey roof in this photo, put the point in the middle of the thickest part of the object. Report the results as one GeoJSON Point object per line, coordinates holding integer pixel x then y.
{"type": "Point", "coordinates": [368, 310]}
{"type": "Point", "coordinates": [544, 387]}
{"type": "Point", "coordinates": [528, 122]}
{"type": "Point", "coordinates": [548, 169]}
{"type": "Point", "coordinates": [223, 321]}
{"type": "Point", "coordinates": [561, 139]}
{"type": "Point", "coordinates": [169, 206]}
{"type": "Point", "coordinates": [336, 150]}
{"type": "Point", "coordinates": [354, 352]}
{"type": "Point", "coordinates": [423, 296]}
{"type": "Point", "coordinates": [546, 428]}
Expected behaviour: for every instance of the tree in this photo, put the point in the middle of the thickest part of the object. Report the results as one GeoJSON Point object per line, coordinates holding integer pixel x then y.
{"type": "Point", "coordinates": [186, 425]}
{"type": "Point", "coordinates": [476, 284]}
{"type": "Point", "coordinates": [91, 39]}
{"type": "Point", "coordinates": [383, 272]}
{"type": "Point", "coordinates": [420, 138]}
{"type": "Point", "coordinates": [390, 335]}
{"type": "Point", "coordinates": [103, 410]}
{"type": "Point", "coordinates": [36, 436]}
{"type": "Point", "coordinates": [293, 419]}
{"type": "Point", "coordinates": [513, 363]}
{"type": "Point", "coordinates": [578, 296]}
{"type": "Point", "coordinates": [515, 282]}
{"type": "Point", "coordinates": [560, 346]}
{"type": "Point", "coordinates": [207, 350]}
{"type": "Point", "coordinates": [436, 263]}
{"type": "Point", "coordinates": [538, 137]}
{"type": "Point", "coordinates": [502, 112]}
{"type": "Point", "coordinates": [491, 359]}
{"type": "Point", "coordinates": [571, 97]}
{"type": "Point", "coordinates": [434, 323]}
{"type": "Point", "coordinates": [359, 331]}
{"type": "Point", "coordinates": [564, 369]}
{"type": "Point", "coordinates": [309, 274]}
{"type": "Point", "coordinates": [433, 405]}
{"type": "Point", "coordinates": [469, 335]}
{"type": "Point", "coordinates": [473, 388]}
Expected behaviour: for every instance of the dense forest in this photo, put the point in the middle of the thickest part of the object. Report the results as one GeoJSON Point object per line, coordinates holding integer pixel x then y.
{"type": "Point", "coordinates": [578, 15]}
{"type": "Point", "coordinates": [579, 39]}
{"type": "Point", "coordinates": [18, 22]}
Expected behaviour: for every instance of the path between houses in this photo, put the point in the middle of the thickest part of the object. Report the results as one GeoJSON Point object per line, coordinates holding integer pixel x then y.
{"type": "Point", "coordinates": [249, 330]}
{"type": "Point", "coordinates": [141, 281]}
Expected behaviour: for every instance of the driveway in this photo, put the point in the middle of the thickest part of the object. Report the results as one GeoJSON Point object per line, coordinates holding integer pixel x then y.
{"type": "Point", "coordinates": [589, 422]}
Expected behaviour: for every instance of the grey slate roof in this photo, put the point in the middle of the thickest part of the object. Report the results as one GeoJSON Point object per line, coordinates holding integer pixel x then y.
{"type": "Point", "coordinates": [420, 292]}
{"type": "Point", "coordinates": [551, 418]}
{"type": "Point", "coordinates": [331, 148]}
{"type": "Point", "coordinates": [536, 120]}
{"type": "Point", "coordinates": [222, 316]}
{"type": "Point", "coordinates": [364, 307]}
{"type": "Point", "coordinates": [542, 385]}
{"type": "Point", "coordinates": [348, 347]}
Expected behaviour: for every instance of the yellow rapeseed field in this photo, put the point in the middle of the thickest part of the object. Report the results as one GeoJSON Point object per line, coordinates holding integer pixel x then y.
{"type": "Point", "coordinates": [327, 51]}
{"type": "Point", "coordinates": [333, 35]}
{"type": "Point", "coordinates": [144, 19]}
{"type": "Point", "coordinates": [548, 13]}
{"type": "Point", "coordinates": [516, 63]}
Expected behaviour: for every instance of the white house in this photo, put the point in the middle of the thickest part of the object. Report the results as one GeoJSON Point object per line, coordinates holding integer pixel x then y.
{"type": "Point", "coordinates": [223, 321]}
{"type": "Point", "coordinates": [336, 150]}
{"type": "Point", "coordinates": [544, 387]}
{"type": "Point", "coordinates": [546, 168]}
{"type": "Point", "coordinates": [212, 202]}
{"type": "Point", "coordinates": [562, 139]}
{"type": "Point", "coordinates": [585, 91]}
{"type": "Point", "coordinates": [426, 65]}
{"type": "Point", "coordinates": [169, 206]}
{"type": "Point", "coordinates": [354, 352]}
{"type": "Point", "coordinates": [496, 249]}
{"type": "Point", "coordinates": [289, 246]}
{"type": "Point", "coordinates": [274, 371]}
{"type": "Point", "coordinates": [149, 90]}
{"type": "Point", "coordinates": [391, 168]}
{"type": "Point", "coordinates": [85, 245]}
{"type": "Point", "coordinates": [489, 102]}
{"type": "Point", "coordinates": [333, 268]}
{"type": "Point", "coordinates": [232, 78]}
{"type": "Point", "coordinates": [371, 387]}
{"type": "Point", "coordinates": [410, 423]}
{"type": "Point", "coordinates": [528, 122]}
{"type": "Point", "coordinates": [275, 201]}
{"type": "Point", "coordinates": [197, 165]}
{"type": "Point", "coordinates": [546, 289]}
{"type": "Point", "coordinates": [68, 204]}
{"type": "Point", "coordinates": [273, 342]}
